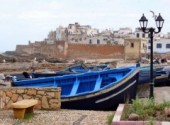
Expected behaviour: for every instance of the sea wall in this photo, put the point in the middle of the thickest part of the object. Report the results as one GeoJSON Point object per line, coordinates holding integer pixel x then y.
{"type": "Point", "coordinates": [48, 98]}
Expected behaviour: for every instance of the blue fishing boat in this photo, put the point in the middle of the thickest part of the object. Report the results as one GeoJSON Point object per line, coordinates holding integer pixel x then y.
{"type": "Point", "coordinates": [96, 90]}
{"type": "Point", "coordinates": [160, 75]}
{"type": "Point", "coordinates": [73, 69]}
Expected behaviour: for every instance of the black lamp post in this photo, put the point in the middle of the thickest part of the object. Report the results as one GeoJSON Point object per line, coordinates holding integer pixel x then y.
{"type": "Point", "coordinates": [159, 23]}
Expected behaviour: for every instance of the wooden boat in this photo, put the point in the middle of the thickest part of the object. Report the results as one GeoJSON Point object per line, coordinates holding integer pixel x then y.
{"type": "Point", "coordinates": [160, 76]}
{"type": "Point", "coordinates": [74, 69]}
{"type": "Point", "coordinates": [97, 90]}
{"type": "Point", "coordinates": [50, 74]}
{"type": "Point", "coordinates": [163, 77]}
{"type": "Point", "coordinates": [81, 68]}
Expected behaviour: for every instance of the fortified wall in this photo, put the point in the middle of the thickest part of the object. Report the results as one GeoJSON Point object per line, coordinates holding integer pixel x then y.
{"type": "Point", "coordinates": [61, 49]}
{"type": "Point", "coordinates": [56, 49]}
{"type": "Point", "coordinates": [95, 51]}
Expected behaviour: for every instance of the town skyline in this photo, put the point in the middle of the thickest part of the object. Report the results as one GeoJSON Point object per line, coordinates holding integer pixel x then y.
{"type": "Point", "coordinates": [21, 21]}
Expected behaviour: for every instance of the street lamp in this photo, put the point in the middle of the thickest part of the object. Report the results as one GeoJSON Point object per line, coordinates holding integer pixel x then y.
{"type": "Point", "coordinates": [159, 23]}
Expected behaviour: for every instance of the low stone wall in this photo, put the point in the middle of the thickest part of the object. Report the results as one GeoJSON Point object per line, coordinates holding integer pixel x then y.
{"type": "Point", "coordinates": [48, 98]}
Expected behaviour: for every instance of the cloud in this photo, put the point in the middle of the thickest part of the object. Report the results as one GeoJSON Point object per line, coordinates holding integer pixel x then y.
{"type": "Point", "coordinates": [36, 15]}
{"type": "Point", "coordinates": [5, 16]}
{"type": "Point", "coordinates": [55, 5]}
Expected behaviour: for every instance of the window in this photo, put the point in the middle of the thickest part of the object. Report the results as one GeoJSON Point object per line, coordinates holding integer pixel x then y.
{"type": "Point", "coordinates": [143, 35]}
{"type": "Point", "coordinates": [132, 45]}
{"type": "Point", "coordinates": [149, 47]}
{"type": "Point", "coordinates": [98, 41]}
{"type": "Point", "coordinates": [137, 35]}
{"type": "Point", "coordinates": [159, 45]}
{"type": "Point", "coordinates": [90, 41]}
{"type": "Point", "coordinates": [80, 39]}
{"type": "Point", "coordinates": [168, 46]}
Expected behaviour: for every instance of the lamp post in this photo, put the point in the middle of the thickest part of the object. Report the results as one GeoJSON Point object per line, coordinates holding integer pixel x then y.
{"type": "Point", "coordinates": [159, 23]}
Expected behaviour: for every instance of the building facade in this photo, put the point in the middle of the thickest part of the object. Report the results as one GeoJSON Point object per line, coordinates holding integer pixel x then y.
{"type": "Point", "coordinates": [134, 48]}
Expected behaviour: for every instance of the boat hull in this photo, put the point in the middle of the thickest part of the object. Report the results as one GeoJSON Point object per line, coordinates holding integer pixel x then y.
{"type": "Point", "coordinates": [106, 99]}
{"type": "Point", "coordinates": [160, 76]}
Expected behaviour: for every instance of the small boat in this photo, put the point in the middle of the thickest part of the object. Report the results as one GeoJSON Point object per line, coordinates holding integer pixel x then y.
{"type": "Point", "coordinates": [81, 68]}
{"type": "Point", "coordinates": [74, 69]}
{"type": "Point", "coordinates": [160, 76]}
{"type": "Point", "coordinates": [52, 73]}
{"type": "Point", "coordinates": [96, 90]}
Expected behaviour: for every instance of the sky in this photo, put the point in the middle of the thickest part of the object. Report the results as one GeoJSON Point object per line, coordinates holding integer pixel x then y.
{"type": "Point", "coordinates": [24, 20]}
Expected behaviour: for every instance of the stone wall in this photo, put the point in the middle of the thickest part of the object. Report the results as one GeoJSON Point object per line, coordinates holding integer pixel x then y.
{"type": "Point", "coordinates": [61, 49]}
{"type": "Point", "coordinates": [48, 98]}
{"type": "Point", "coordinates": [51, 50]}
{"type": "Point", "coordinates": [95, 51]}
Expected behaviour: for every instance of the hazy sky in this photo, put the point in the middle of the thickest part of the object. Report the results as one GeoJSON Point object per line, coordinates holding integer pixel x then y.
{"type": "Point", "coordinates": [24, 20]}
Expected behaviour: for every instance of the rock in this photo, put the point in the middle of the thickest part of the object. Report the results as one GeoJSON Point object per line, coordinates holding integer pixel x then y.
{"type": "Point", "coordinates": [2, 77]}
{"type": "Point", "coordinates": [167, 111]}
{"type": "Point", "coordinates": [20, 91]}
{"type": "Point", "coordinates": [31, 92]}
{"type": "Point", "coordinates": [40, 92]}
{"type": "Point", "coordinates": [133, 117]}
{"type": "Point", "coordinates": [14, 97]}
{"type": "Point", "coordinates": [9, 94]}
{"type": "Point", "coordinates": [51, 94]}
{"type": "Point", "coordinates": [45, 104]}
{"type": "Point", "coordinates": [2, 81]}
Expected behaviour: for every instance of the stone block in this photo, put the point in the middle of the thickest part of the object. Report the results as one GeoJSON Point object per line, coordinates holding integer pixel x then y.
{"type": "Point", "coordinates": [40, 92]}
{"type": "Point", "coordinates": [14, 97]}
{"type": "Point", "coordinates": [21, 91]}
{"type": "Point", "coordinates": [55, 106]}
{"type": "Point", "coordinates": [31, 92]}
{"type": "Point", "coordinates": [26, 97]}
{"type": "Point", "coordinates": [45, 104]}
{"type": "Point", "coordinates": [50, 94]}
{"type": "Point", "coordinates": [57, 95]}
{"type": "Point", "coordinates": [9, 94]}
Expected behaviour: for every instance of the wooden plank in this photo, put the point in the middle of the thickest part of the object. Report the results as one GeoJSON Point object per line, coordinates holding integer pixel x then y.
{"type": "Point", "coordinates": [75, 87]}
{"type": "Point", "coordinates": [98, 83]}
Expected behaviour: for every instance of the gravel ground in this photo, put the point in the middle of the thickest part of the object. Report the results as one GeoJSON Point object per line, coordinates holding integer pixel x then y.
{"type": "Point", "coordinates": [162, 94]}
{"type": "Point", "coordinates": [61, 117]}
{"type": "Point", "coordinates": [72, 117]}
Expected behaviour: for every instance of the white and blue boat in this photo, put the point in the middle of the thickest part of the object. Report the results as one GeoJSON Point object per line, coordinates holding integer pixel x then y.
{"type": "Point", "coordinates": [95, 90]}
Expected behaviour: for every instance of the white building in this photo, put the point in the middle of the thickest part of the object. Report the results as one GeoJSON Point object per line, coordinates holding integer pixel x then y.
{"type": "Point", "coordinates": [161, 46]}
{"type": "Point", "coordinates": [122, 32]}
{"type": "Point", "coordinates": [60, 33]}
